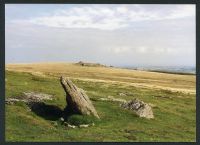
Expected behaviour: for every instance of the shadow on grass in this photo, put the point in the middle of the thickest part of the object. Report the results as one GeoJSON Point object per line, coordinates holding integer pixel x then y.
{"type": "Point", "coordinates": [48, 112]}
{"type": "Point", "coordinates": [53, 113]}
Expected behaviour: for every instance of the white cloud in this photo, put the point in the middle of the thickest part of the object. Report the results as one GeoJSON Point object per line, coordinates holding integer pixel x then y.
{"type": "Point", "coordinates": [142, 49]}
{"type": "Point", "coordinates": [157, 50]}
{"type": "Point", "coordinates": [122, 9]}
{"type": "Point", "coordinates": [166, 51]}
{"type": "Point", "coordinates": [120, 50]}
{"type": "Point", "coordinates": [172, 51]}
{"type": "Point", "coordinates": [182, 11]}
{"type": "Point", "coordinates": [108, 18]}
{"type": "Point", "coordinates": [153, 41]}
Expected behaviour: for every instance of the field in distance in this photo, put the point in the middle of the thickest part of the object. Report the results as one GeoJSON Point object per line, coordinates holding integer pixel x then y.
{"type": "Point", "coordinates": [172, 95]}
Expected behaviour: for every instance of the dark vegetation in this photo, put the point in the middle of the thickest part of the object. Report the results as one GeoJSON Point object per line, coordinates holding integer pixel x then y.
{"type": "Point", "coordinates": [171, 72]}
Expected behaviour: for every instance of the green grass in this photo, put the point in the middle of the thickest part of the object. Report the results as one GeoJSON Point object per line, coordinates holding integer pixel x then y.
{"type": "Point", "coordinates": [81, 119]}
{"type": "Point", "coordinates": [175, 114]}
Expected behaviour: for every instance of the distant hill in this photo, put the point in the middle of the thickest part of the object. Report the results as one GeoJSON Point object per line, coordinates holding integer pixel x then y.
{"type": "Point", "coordinates": [81, 63]}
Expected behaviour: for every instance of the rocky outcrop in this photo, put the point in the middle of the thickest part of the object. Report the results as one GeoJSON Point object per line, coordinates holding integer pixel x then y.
{"type": "Point", "coordinates": [90, 64]}
{"type": "Point", "coordinates": [37, 97]}
{"type": "Point", "coordinates": [29, 97]}
{"type": "Point", "coordinates": [77, 100]}
{"type": "Point", "coordinates": [140, 108]}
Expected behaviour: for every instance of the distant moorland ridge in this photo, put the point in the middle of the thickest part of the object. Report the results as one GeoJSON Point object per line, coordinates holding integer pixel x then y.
{"type": "Point", "coordinates": [90, 64]}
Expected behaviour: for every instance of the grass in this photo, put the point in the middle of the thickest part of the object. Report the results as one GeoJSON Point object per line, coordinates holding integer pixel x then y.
{"type": "Point", "coordinates": [80, 119]}
{"type": "Point", "coordinates": [117, 75]}
{"type": "Point", "coordinates": [175, 113]}
{"type": "Point", "coordinates": [170, 72]}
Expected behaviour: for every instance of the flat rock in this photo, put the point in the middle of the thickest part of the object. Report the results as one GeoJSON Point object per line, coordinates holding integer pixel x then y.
{"type": "Point", "coordinates": [28, 97]}
{"type": "Point", "coordinates": [122, 94]}
{"type": "Point", "coordinates": [33, 96]}
{"type": "Point", "coordinates": [11, 101]}
{"type": "Point", "coordinates": [84, 125]}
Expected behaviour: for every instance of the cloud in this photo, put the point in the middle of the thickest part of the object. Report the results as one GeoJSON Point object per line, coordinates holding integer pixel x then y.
{"type": "Point", "coordinates": [157, 50]}
{"type": "Point", "coordinates": [142, 49]}
{"type": "Point", "coordinates": [120, 50]}
{"type": "Point", "coordinates": [138, 34]}
{"type": "Point", "coordinates": [182, 11]}
{"type": "Point", "coordinates": [106, 17]}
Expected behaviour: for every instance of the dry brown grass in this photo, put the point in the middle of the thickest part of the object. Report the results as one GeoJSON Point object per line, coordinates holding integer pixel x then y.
{"type": "Point", "coordinates": [173, 82]}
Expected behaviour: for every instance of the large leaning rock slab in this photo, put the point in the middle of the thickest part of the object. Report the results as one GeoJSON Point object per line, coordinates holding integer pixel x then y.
{"type": "Point", "coordinates": [139, 107]}
{"type": "Point", "coordinates": [77, 100]}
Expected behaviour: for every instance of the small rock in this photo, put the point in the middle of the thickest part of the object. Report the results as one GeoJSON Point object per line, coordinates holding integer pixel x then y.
{"type": "Point", "coordinates": [71, 126]}
{"type": "Point", "coordinates": [62, 119]}
{"type": "Point", "coordinates": [68, 125]}
{"type": "Point", "coordinates": [122, 94]}
{"type": "Point", "coordinates": [104, 99]}
{"type": "Point", "coordinates": [84, 125]}
{"type": "Point", "coordinates": [9, 102]}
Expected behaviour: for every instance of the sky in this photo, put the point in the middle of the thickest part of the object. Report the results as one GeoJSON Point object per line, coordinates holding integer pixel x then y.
{"type": "Point", "coordinates": [113, 34]}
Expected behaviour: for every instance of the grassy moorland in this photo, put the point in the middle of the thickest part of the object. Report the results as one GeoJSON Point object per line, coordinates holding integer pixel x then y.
{"type": "Point", "coordinates": [173, 97]}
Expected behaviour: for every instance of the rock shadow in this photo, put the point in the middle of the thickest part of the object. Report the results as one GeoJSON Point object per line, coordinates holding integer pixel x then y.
{"type": "Point", "coordinates": [48, 112]}
{"type": "Point", "coordinates": [67, 112]}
